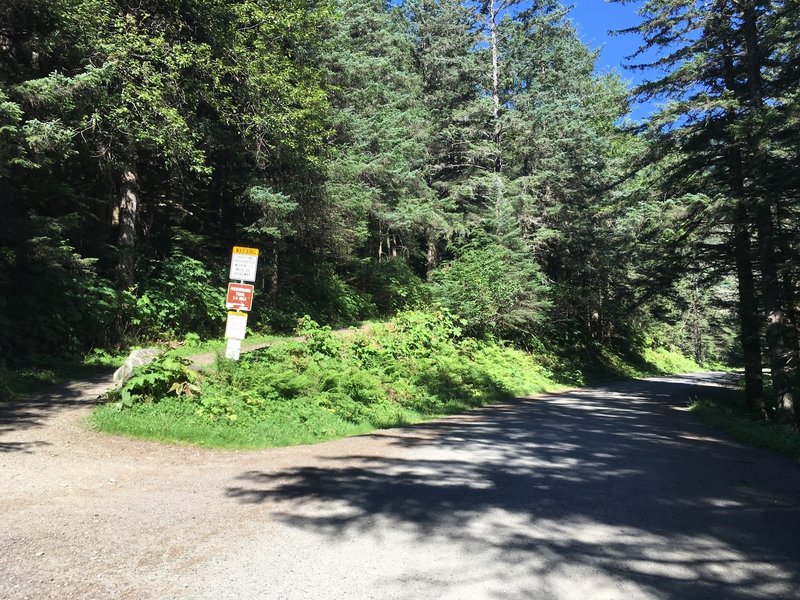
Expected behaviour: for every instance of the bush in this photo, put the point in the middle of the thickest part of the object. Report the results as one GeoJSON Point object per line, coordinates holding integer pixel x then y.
{"type": "Point", "coordinates": [393, 285]}
{"type": "Point", "coordinates": [166, 376]}
{"type": "Point", "coordinates": [492, 289]}
{"type": "Point", "coordinates": [327, 298]}
{"type": "Point", "coordinates": [418, 334]}
{"type": "Point", "coordinates": [182, 297]}
{"type": "Point", "coordinates": [319, 340]}
{"type": "Point", "coordinates": [66, 307]}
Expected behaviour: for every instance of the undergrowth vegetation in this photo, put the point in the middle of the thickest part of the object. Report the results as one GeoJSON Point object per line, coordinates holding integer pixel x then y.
{"type": "Point", "coordinates": [735, 419]}
{"type": "Point", "coordinates": [330, 385]}
{"type": "Point", "coordinates": [168, 375]}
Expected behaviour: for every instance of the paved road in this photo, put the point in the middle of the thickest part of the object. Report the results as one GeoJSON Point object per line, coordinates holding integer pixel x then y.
{"type": "Point", "coordinates": [607, 493]}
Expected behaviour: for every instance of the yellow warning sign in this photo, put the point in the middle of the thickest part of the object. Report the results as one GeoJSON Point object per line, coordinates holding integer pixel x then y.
{"type": "Point", "coordinates": [245, 250]}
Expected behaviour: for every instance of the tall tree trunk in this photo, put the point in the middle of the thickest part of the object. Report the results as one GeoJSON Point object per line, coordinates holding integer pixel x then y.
{"type": "Point", "coordinates": [786, 253]}
{"type": "Point", "coordinates": [492, 16]}
{"type": "Point", "coordinates": [273, 276]}
{"type": "Point", "coordinates": [430, 262]}
{"type": "Point", "coordinates": [128, 218]}
{"type": "Point", "coordinates": [697, 326]}
{"type": "Point", "coordinates": [777, 321]}
{"type": "Point", "coordinates": [749, 320]}
{"type": "Point", "coordinates": [778, 324]}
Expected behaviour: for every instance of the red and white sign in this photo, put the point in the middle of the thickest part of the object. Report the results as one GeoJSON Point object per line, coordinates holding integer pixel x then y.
{"type": "Point", "coordinates": [240, 296]}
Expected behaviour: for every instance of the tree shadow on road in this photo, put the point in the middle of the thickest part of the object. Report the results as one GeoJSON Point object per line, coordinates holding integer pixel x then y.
{"type": "Point", "coordinates": [617, 482]}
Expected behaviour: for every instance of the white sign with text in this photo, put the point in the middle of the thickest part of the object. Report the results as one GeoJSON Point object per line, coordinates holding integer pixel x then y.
{"type": "Point", "coordinates": [244, 262]}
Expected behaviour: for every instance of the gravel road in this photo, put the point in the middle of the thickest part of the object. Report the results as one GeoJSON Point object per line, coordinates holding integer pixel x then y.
{"type": "Point", "coordinates": [595, 494]}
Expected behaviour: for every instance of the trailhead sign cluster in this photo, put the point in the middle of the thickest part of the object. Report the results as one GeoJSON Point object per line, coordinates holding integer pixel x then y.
{"type": "Point", "coordinates": [239, 300]}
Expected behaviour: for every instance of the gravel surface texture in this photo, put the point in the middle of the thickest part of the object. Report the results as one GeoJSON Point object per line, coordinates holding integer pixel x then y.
{"type": "Point", "coordinates": [594, 494]}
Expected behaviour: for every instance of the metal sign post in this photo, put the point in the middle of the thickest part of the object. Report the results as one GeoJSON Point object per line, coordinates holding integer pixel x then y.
{"type": "Point", "coordinates": [244, 262]}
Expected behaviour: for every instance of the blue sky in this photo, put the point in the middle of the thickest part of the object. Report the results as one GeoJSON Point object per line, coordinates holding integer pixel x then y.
{"type": "Point", "coordinates": [594, 18]}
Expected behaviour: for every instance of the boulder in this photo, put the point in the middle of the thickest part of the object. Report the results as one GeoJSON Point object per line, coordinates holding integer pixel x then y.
{"type": "Point", "coordinates": [137, 358]}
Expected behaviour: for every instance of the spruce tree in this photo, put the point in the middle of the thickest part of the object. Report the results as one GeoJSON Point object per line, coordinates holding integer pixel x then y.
{"type": "Point", "coordinates": [380, 126]}
{"type": "Point", "coordinates": [446, 39]}
{"type": "Point", "coordinates": [725, 71]}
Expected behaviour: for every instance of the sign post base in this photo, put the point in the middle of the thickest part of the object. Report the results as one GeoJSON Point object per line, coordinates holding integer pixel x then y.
{"type": "Point", "coordinates": [233, 349]}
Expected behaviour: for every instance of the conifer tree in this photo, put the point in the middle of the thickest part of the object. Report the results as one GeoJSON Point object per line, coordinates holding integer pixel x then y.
{"type": "Point", "coordinates": [725, 70]}
{"type": "Point", "coordinates": [380, 127]}
{"type": "Point", "coordinates": [446, 40]}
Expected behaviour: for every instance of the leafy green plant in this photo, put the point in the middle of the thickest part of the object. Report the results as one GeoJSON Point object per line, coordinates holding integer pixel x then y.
{"type": "Point", "coordinates": [192, 340]}
{"type": "Point", "coordinates": [492, 288]}
{"type": "Point", "coordinates": [81, 305]}
{"type": "Point", "coordinates": [182, 297]}
{"type": "Point", "coordinates": [393, 285]}
{"type": "Point", "coordinates": [166, 376]}
{"type": "Point", "coordinates": [319, 339]}
{"type": "Point", "coordinates": [421, 333]}
{"type": "Point", "coordinates": [103, 358]}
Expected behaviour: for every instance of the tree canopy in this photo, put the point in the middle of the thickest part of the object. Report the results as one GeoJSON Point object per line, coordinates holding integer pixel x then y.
{"type": "Point", "coordinates": [385, 154]}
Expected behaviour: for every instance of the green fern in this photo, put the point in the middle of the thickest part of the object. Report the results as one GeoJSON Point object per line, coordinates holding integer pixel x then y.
{"type": "Point", "coordinates": [166, 376]}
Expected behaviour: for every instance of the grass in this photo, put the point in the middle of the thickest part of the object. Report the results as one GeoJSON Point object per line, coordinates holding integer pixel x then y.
{"type": "Point", "coordinates": [176, 422]}
{"type": "Point", "coordinates": [331, 386]}
{"type": "Point", "coordinates": [733, 418]}
{"type": "Point", "coordinates": [596, 364]}
{"type": "Point", "coordinates": [666, 361]}
{"type": "Point", "coordinates": [192, 348]}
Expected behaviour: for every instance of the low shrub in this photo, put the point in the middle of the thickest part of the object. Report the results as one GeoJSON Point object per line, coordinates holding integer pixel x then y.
{"type": "Point", "coordinates": [326, 297]}
{"type": "Point", "coordinates": [326, 386]}
{"type": "Point", "coordinates": [393, 285]}
{"type": "Point", "coordinates": [166, 376]}
{"type": "Point", "coordinates": [417, 366]}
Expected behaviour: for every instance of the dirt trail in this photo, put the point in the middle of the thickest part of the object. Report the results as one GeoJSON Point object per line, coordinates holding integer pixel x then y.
{"type": "Point", "coordinates": [207, 358]}
{"type": "Point", "coordinates": [606, 493]}
{"type": "Point", "coordinates": [90, 515]}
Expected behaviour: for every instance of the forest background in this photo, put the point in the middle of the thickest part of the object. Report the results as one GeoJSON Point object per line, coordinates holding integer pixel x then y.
{"type": "Point", "coordinates": [460, 156]}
